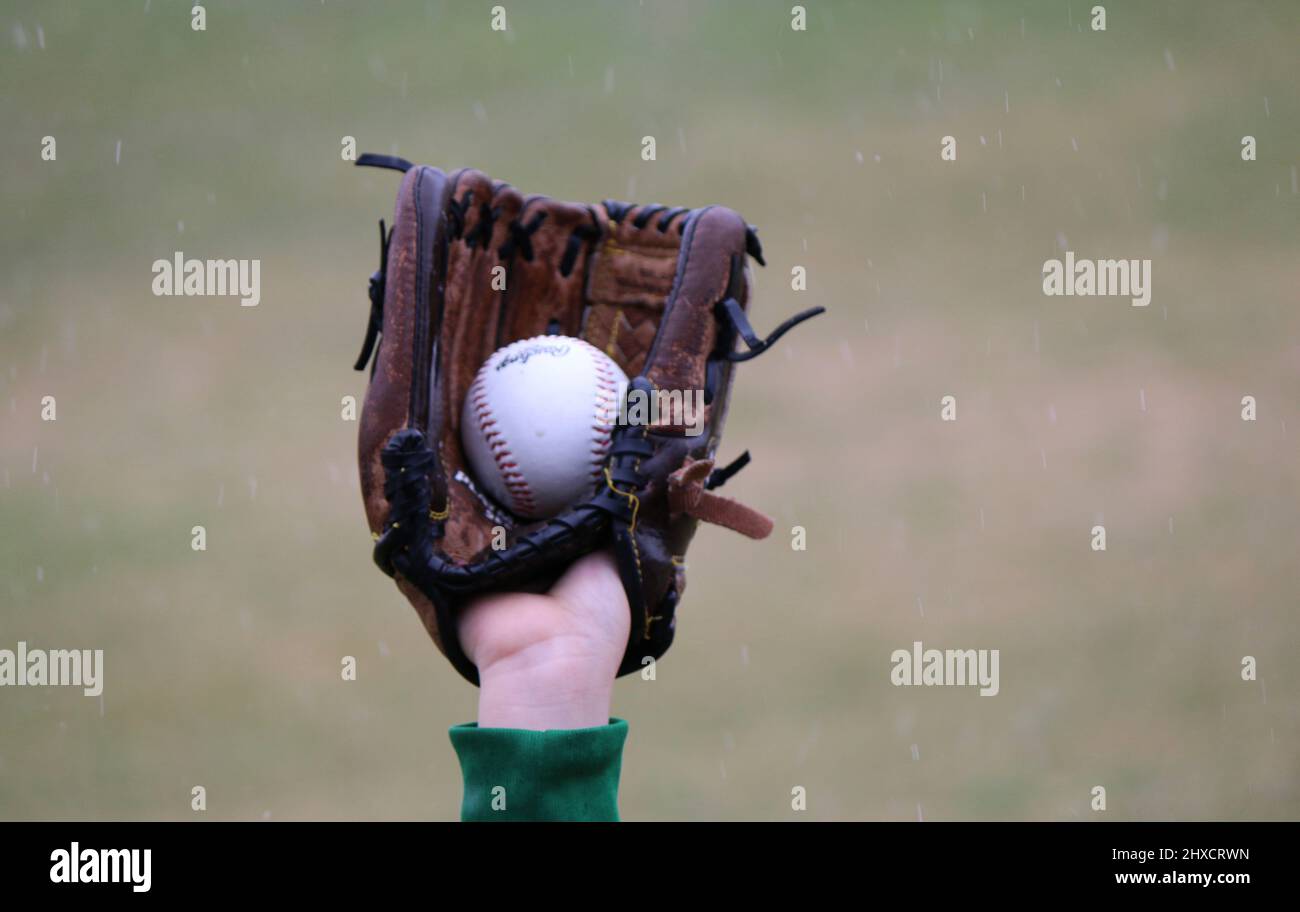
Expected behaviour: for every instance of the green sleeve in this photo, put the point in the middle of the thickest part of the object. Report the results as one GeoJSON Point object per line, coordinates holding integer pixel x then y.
{"type": "Point", "coordinates": [562, 774]}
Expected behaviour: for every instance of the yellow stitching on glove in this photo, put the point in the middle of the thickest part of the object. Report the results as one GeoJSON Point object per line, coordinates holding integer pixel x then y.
{"type": "Point", "coordinates": [631, 498]}
{"type": "Point", "coordinates": [613, 333]}
{"type": "Point", "coordinates": [636, 552]}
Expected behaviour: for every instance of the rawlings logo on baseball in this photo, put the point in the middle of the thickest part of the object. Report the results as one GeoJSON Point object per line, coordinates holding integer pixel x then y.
{"type": "Point", "coordinates": [528, 351]}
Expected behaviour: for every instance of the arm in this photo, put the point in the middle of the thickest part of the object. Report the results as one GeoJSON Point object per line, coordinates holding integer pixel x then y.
{"type": "Point", "coordinates": [545, 747]}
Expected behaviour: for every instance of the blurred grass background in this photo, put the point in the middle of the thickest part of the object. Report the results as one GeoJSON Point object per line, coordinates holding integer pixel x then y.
{"type": "Point", "coordinates": [1118, 669]}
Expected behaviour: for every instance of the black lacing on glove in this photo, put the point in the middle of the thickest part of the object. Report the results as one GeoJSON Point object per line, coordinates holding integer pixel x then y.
{"type": "Point", "coordinates": [482, 233]}
{"type": "Point", "coordinates": [521, 237]}
{"type": "Point", "coordinates": [582, 234]}
{"type": "Point", "coordinates": [371, 160]}
{"type": "Point", "coordinates": [731, 315]}
{"type": "Point", "coordinates": [407, 463]}
{"type": "Point", "coordinates": [718, 477]}
{"type": "Point", "coordinates": [456, 212]}
{"type": "Point", "coordinates": [619, 211]}
{"type": "Point", "coordinates": [729, 310]}
{"type": "Point", "coordinates": [375, 325]}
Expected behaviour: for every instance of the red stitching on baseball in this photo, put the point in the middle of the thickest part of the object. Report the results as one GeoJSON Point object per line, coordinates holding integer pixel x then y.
{"type": "Point", "coordinates": [521, 496]}
{"type": "Point", "coordinates": [606, 396]}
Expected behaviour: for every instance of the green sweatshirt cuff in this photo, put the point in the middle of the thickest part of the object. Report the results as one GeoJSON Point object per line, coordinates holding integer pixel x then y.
{"type": "Point", "coordinates": [563, 774]}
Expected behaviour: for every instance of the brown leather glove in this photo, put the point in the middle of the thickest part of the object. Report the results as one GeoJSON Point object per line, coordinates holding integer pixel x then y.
{"type": "Point", "coordinates": [661, 291]}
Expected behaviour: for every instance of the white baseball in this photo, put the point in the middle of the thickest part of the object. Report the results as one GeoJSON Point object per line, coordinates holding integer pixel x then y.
{"type": "Point", "coordinates": [537, 421]}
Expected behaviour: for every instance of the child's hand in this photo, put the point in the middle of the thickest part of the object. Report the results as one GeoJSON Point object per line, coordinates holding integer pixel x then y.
{"type": "Point", "coordinates": [549, 661]}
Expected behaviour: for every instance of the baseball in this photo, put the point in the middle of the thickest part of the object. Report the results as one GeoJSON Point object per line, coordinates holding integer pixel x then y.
{"type": "Point", "coordinates": [537, 420]}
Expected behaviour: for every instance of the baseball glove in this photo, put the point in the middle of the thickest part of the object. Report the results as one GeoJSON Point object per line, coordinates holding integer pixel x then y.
{"type": "Point", "coordinates": [661, 290]}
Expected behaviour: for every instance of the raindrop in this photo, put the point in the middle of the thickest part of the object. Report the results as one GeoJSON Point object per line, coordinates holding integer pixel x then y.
{"type": "Point", "coordinates": [1142, 399]}
{"type": "Point", "coordinates": [117, 153]}
{"type": "Point", "coordinates": [20, 36]}
{"type": "Point", "coordinates": [1160, 238]}
{"type": "Point", "coordinates": [40, 574]}
{"type": "Point", "coordinates": [1169, 60]}
{"type": "Point", "coordinates": [916, 752]}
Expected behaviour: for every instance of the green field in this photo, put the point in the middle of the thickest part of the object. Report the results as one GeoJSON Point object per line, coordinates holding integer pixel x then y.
{"type": "Point", "coordinates": [1120, 669]}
